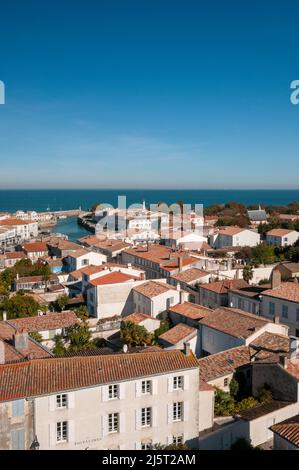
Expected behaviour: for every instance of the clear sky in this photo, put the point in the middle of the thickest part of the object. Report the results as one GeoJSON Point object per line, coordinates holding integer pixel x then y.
{"type": "Point", "coordinates": [149, 93]}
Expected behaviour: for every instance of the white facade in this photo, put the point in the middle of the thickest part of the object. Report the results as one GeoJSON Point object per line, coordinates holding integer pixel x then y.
{"type": "Point", "coordinates": [87, 425]}
{"type": "Point", "coordinates": [153, 306]}
{"type": "Point", "coordinates": [242, 238]}
{"type": "Point", "coordinates": [86, 259]}
{"type": "Point", "coordinates": [285, 240]}
{"type": "Point", "coordinates": [287, 311]}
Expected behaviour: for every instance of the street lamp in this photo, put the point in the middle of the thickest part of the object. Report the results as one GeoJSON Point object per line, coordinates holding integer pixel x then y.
{"type": "Point", "coordinates": [35, 444]}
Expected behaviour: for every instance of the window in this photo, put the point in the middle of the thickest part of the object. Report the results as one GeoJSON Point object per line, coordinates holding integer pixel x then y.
{"type": "Point", "coordinates": [177, 411]}
{"type": "Point", "coordinates": [177, 440]}
{"type": "Point", "coordinates": [271, 308]}
{"type": "Point", "coordinates": [146, 387]}
{"type": "Point", "coordinates": [61, 400]}
{"type": "Point", "coordinates": [18, 439]}
{"type": "Point", "coordinates": [113, 392]}
{"type": "Point", "coordinates": [85, 262]}
{"type": "Point", "coordinates": [178, 382]}
{"type": "Point", "coordinates": [225, 382]}
{"type": "Point", "coordinates": [17, 408]}
{"type": "Point", "coordinates": [146, 417]}
{"type": "Point", "coordinates": [113, 422]}
{"type": "Point", "coordinates": [285, 312]}
{"type": "Point", "coordinates": [297, 315]}
{"type": "Point", "coordinates": [61, 431]}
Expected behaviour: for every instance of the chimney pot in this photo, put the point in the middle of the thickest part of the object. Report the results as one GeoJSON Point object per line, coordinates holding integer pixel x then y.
{"type": "Point", "coordinates": [275, 279]}
{"type": "Point", "coordinates": [4, 315]}
{"type": "Point", "coordinates": [2, 352]}
{"type": "Point", "coordinates": [187, 349]}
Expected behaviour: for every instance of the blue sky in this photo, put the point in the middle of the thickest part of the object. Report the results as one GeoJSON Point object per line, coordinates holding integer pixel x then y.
{"type": "Point", "coordinates": [149, 94]}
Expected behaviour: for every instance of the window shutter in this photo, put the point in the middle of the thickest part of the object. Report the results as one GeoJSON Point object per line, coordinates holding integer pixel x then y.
{"type": "Point", "coordinates": [122, 391]}
{"type": "Point", "coordinates": [170, 413]}
{"type": "Point", "coordinates": [105, 393]}
{"type": "Point", "coordinates": [154, 386]}
{"type": "Point", "coordinates": [52, 434]}
{"type": "Point", "coordinates": [122, 422]}
{"type": "Point", "coordinates": [52, 402]}
{"type": "Point", "coordinates": [71, 431]}
{"type": "Point", "coordinates": [18, 408]}
{"type": "Point", "coordinates": [138, 388]}
{"type": "Point", "coordinates": [138, 445]}
{"type": "Point", "coordinates": [186, 411]}
{"type": "Point", "coordinates": [18, 439]}
{"type": "Point", "coordinates": [105, 425]}
{"type": "Point", "coordinates": [138, 419]}
{"type": "Point", "coordinates": [170, 384]}
{"type": "Point", "coordinates": [154, 416]}
{"type": "Point", "coordinates": [186, 382]}
{"type": "Point", "coordinates": [71, 400]}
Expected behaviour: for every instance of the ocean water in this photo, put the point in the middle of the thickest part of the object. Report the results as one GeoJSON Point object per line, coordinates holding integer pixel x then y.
{"type": "Point", "coordinates": [41, 200]}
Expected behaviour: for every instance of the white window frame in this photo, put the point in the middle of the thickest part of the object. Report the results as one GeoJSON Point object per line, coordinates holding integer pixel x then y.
{"type": "Point", "coordinates": [61, 401]}
{"type": "Point", "coordinates": [63, 432]}
{"type": "Point", "coordinates": [176, 440]}
{"type": "Point", "coordinates": [113, 423]}
{"type": "Point", "coordinates": [178, 382]}
{"type": "Point", "coordinates": [146, 417]}
{"type": "Point", "coordinates": [114, 389]}
{"type": "Point", "coordinates": [146, 387]}
{"type": "Point", "coordinates": [177, 411]}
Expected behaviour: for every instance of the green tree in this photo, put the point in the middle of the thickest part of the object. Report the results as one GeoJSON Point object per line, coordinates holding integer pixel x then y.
{"type": "Point", "coordinates": [62, 301]}
{"type": "Point", "coordinates": [248, 273]}
{"type": "Point", "coordinates": [82, 312]}
{"type": "Point", "coordinates": [135, 334]}
{"type": "Point", "coordinates": [234, 387]}
{"type": "Point", "coordinates": [20, 306]}
{"type": "Point", "coordinates": [80, 337]}
{"type": "Point", "coordinates": [263, 254]}
{"type": "Point", "coordinates": [242, 444]}
{"type": "Point", "coordinates": [59, 348]}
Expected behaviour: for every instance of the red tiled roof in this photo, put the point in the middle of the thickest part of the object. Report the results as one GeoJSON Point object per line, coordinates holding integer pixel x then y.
{"type": "Point", "coordinates": [113, 278]}
{"type": "Point", "coordinates": [33, 279]}
{"type": "Point", "coordinates": [138, 318]}
{"type": "Point", "coordinates": [222, 287]}
{"type": "Point", "coordinates": [51, 321]}
{"type": "Point", "coordinates": [153, 288]}
{"type": "Point", "coordinates": [44, 377]}
{"type": "Point", "coordinates": [233, 322]}
{"type": "Point", "coordinates": [190, 310]}
{"type": "Point", "coordinates": [279, 232]}
{"type": "Point", "coordinates": [14, 255]}
{"type": "Point", "coordinates": [35, 247]}
{"type": "Point", "coordinates": [12, 221]}
{"type": "Point", "coordinates": [268, 345]}
{"type": "Point", "coordinates": [288, 429]}
{"type": "Point", "coordinates": [231, 230]}
{"type": "Point", "coordinates": [178, 333]}
{"type": "Point", "coordinates": [190, 275]}
{"type": "Point", "coordinates": [286, 291]}
{"type": "Point", "coordinates": [223, 363]}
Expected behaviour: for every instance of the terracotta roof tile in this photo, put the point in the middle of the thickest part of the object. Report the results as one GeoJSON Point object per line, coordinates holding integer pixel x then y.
{"type": "Point", "coordinates": [222, 287]}
{"type": "Point", "coordinates": [223, 363]}
{"type": "Point", "coordinates": [113, 278]}
{"type": "Point", "coordinates": [153, 288]}
{"type": "Point", "coordinates": [190, 310]}
{"type": "Point", "coordinates": [51, 321]}
{"type": "Point", "coordinates": [288, 429]}
{"type": "Point", "coordinates": [286, 291]}
{"type": "Point", "coordinates": [190, 275]}
{"type": "Point", "coordinates": [48, 376]}
{"type": "Point", "coordinates": [35, 247]}
{"type": "Point", "coordinates": [178, 333]}
{"type": "Point", "coordinates": [279, 232]}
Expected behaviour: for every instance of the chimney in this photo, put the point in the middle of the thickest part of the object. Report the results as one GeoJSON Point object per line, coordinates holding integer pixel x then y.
{"type": "Point", "coordinates": [180, 263]}
{"type": "Point", "coordinates": [129, 265]}
{"type": "Point", "coordinates": [187, 349]}
{"type": "Point", "coordinates": [20, 340]}
{"type": "Point", "coordinates": [275, 279]}
{"type": "Point", "coordinates": [142, 276]}
{"type": "Point", "coordinates": [276, 319]}
{"type": "Point", "coordinates": [2, 352]}
{"type": "Point", "coordinates": [178, 286]}
{"type": "Point", "coordinates": [283, 361]}
{"type": "Point", "coordinates": [4, 315]}
{"type": "Point", "coordinates": [294, 347]}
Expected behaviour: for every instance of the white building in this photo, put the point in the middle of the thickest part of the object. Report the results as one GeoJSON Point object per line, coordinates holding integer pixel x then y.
{"type": "Point", "coordinates": [281, 237]}
{"type": "Point", "coordinates": [234, 236]}
{"type": "Point", "coordinates": [82, 258]}
{"type": "Point", "coordinates": [121, 401]}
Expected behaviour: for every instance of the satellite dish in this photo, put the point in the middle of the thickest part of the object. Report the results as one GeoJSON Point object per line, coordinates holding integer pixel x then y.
{"type": "Point", "coordinates": [125, 348]}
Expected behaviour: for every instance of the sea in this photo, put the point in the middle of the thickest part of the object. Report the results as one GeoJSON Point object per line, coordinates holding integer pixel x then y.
{"type": "Point", "coordinates": [54, 200]}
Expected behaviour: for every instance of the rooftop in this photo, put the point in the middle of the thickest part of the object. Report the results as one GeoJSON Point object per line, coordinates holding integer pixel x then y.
{"type": "Point", "coordinates": [178, 333]}
{"type": "Point", "coordinates": [223, 363]}
{"type": "Point", "coordinates": [279, 232]}
{"type": "Point", "coordinates": [190, 310]}
{"type": "Point", "coordinates": [269, 345]}
{"type": "Point", "coordinates": [35, 247]}
{"type": "Point", "coordinates": [113, 278]}
{"type": "Point", "coordinates": [50, 321]}
{"type": "Point", "coordinates": [263, 409]}
{"type": "Point", "coordinates": [222, 287]}
{"type": "Point", "coordinates": [286, 291]}
{"type": "Point", "coordinates": [231, 231]}
{"type": "Point", "coordinates": [234, 322]}
{"type": "Point", "coordinates": [139, 318]}
{"type": "Point", "coordinates": [153, 288]}
{"type": "Point", "coordinates": [190, 275]}
{"type": "Point", "coordinates": [288, 429]}
{"type": "Point", "coordinates": [43, 377]}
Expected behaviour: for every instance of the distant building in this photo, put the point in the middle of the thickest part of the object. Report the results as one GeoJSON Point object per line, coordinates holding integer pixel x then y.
{"type": "Point", "coordinates": [234, 236]}
{"type": "Point", "coordinates": [257, 216]}
{"type": "Point", "coordinates": [281, 237]}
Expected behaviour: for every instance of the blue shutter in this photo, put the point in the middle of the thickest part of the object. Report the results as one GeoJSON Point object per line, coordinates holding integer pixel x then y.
{"type": "Point", "coordinates": [17, 408]}
{"type": "Point", "coordinates": [18, 439]}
